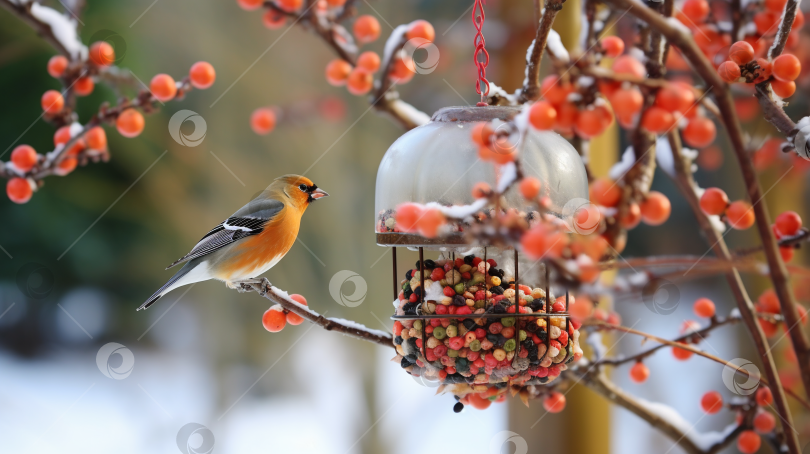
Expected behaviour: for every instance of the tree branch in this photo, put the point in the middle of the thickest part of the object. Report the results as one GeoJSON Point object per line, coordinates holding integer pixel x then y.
{"type": "Point", "coordinates": [531, 89]}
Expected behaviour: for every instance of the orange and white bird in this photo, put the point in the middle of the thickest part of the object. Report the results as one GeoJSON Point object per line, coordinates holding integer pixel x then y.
{"type": "Point", "coordinates": [251, 241]}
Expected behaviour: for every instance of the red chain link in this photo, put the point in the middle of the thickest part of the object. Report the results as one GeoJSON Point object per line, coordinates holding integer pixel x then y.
{"type": "Point", "coordinates": [479, 42]}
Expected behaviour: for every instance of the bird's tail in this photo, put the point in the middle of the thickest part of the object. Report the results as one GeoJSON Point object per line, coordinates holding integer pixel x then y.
{"type": "Point", "coordinates": [167, 286]}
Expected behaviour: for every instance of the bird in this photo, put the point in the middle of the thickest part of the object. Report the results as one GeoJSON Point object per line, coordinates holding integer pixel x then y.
{"type": "Point", "coordinates": [251, 241]}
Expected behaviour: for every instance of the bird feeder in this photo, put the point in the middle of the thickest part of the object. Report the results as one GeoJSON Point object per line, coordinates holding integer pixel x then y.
{"type": "Point", "coordinates": [477, 318]}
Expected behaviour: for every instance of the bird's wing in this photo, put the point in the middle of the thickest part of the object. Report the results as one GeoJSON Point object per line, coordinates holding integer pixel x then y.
{"type": "Point", "coordinates": [249, 220]}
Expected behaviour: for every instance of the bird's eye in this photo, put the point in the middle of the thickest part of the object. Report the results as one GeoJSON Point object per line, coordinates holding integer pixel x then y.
{"type": "Point", "coordinates": [302, 187]}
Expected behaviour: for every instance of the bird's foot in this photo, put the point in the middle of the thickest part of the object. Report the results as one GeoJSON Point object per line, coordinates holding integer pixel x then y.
{"type": "Point", "coordinates": [249, 285]}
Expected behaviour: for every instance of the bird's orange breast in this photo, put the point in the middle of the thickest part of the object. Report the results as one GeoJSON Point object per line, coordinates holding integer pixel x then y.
{"type": "Point", "coordinates": [255, 254]}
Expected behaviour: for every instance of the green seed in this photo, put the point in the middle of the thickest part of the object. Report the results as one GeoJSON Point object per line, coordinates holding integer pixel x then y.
{"type": "Point", "coordinates": [509, 345]}
{"type": "Point", "coordinates": [480, 304]}
{"type": "Point", "coordinates": [522, 335]}
{"type": "Point", "coordinates": [475, 345]}
{"type": "Point", "coordinates": [459, 288]}
{"type": "Point", "coordinates": [417, 324]}
{"type": "Point", "coordinates": [452, 353]}
{"type": "Point", "coordinates": [508, 321]}
{"type": "Point", "coordinates": [439, 332]}
{"type": "Point", "coordinates": [452, 331]}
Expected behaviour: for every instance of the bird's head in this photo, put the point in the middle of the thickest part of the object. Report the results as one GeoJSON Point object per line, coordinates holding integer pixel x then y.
{"type": "Point", "coordinates": [299, 189]}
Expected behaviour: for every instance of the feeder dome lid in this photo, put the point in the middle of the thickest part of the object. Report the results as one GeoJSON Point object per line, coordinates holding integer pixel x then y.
{"type": "Point", "coordinates": [438, 162]}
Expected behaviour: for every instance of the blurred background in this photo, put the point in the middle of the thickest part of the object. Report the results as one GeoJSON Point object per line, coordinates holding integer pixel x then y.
{"type": "Point", "coordinates": [95, 246]}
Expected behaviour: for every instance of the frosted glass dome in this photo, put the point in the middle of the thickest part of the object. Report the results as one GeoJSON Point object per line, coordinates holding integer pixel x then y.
{"type": "Point", "coordinates": [438, 162]}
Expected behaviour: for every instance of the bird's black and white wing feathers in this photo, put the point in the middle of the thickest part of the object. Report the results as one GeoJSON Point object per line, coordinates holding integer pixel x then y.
{"type": "Point", "coordinates": [249, 220]}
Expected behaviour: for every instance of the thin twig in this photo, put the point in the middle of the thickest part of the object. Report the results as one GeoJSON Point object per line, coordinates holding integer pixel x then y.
{"type": "Point", "coordinates": [531, 90]}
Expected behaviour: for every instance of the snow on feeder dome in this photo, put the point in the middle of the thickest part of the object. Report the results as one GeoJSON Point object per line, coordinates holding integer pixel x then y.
{"type": "Point", "coordinates": [480, 320]}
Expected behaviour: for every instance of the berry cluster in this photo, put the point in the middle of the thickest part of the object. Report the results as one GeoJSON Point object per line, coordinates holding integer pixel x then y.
{"type": "Point", "coordinates": [276, 318]}
{"type": "Point", "coordinates": [751, 414]}
{"type": "Point", "coordinates": [479, 357]}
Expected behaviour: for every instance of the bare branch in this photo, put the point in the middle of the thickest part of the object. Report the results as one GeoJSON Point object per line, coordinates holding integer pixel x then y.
{"type": "Point", "coordinates": [531, 90]}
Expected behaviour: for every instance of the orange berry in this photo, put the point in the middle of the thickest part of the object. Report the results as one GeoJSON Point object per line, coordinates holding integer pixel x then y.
{"type": "Point", "coordinates": [798, 23]}
{"type": "Point", "coordinates": [62, 136]}
{"type": "Point", "coordinates": [658, 120]}
{"type": "Point", "coordinates": [478, 402]}
{"type": "Point", "coordinates": [163, 87]}
{"type": "Point", "coordinates": [429, 222]}
{"type": "Point", "coordinates": [554, 90]}
{"type": "Point", "coordinates": [629, 65]}
{"type": "Point", "coordinates": [704, 307]}
{"type": "Point", "coordinates": [639, 372]}
{"type": "Point", "coordinates": [102, 53]}
{"type": "Point", "coordinates": [613, 46]}
{"type": "Point", "coordinates": [540, 242]}
{"type": "Point", "coordinates": [699, 132]}
{"type": "Point", "coordinates": [401, 72]}
{"type": "Point", "coordinates": [274, 319]}
{"type": "Point", "coordinates": [764, 396]}
{"type": "Point", "coordinates": [764, 422]}
{"type": "Point", "coordinates": [359, 82]}
{"type": "Point", "coordinates": [783, 89]}
{"type": "Point", "coordinates": [711, 402]}
{"type": "Point", "coordinates": [263, 120]}
{"type": "Point", "coordinates": [787, 223]}
{"type": "Point", "coordinates": [590, 123]}
{"type": "Point", "coordinates": [769, 302]}
{"type": "Point", "coordinates": [480, 190]}
{"type": "Point", "coordinates": [554, 402]}
{"type": "Point", "coordinates": [787, 253]}
{"type": "Point", "coordinates": [294, 319]}
{"type": "Point", "coordinates": [741, 52]}
{"type": "Point", "coordinates": [605, 192]}
{"type": "Point", "coordinates": [366, 29]}
{"type": "Point", "coordinates": [19, 190]}
{"type": "Point", "coordinates": [696, 10]}
{"type": "Point", "coordinates": [740, 215]}
{"type": "Point", "coordinates": [130, 123]}
{"type": "Point", "coordinates": [369, 61]}
{"type": "Point", "coordinates": [52, 102]}
{"type": "Point", "coordinates": [768, 328]}
{"type": "Point", "coordinates": [57, 65]}
{"type": "Point", "coordinates": [655, 209]}
{"type": "Point", "coordinates": [542, 115]}
{"type": "Point", "coordinates": [767, 154]}
{"type": "Point", "coordinates": [335, 3]}
{"type": "Point", "coordinates": [714, 201]}
{"type": "Point", "coordinates": [202, 75]}
{"type": "Point", "coordinates": [765, 70]}
{"type": "Point", "coordinates": [407, 216]}
{"type": "Point", "coordinates": [729, 71]}
{"type": "Point", "coordinates": [273, 19]}
{"type": "Point", "coordinates": [300, 299]}
{"type": "Point", "coordinates": [337, 71]}
{"type": "Point", "coordinates": [627, 101]}
{"type": "Point", "coordinates": [675, 97]}
{"type": "Point", "coordinates": [786, 67]}
{"type": "Point", "coordinates": [25, 158]}
{"type": "Point", "coordinates": [83, 86]}
{"type": "Point", "coordinates": [250, 5]}
{"type": "Point", "coordinates": [96, 138]}
{"type": "Point", "coordinates": [530, 188]}
{"type": "Point", "coordinates": [748, 442]}
{"type": "Point", "coordinates": [290, 5]}
{"type": "Point", "coordinates": [66, 166]}
{"type": "Point", "coordinates": [710, 158]}
{"type": "Point", "coordinates": [567, 113]}
{"type": "Point", "coordinates": [632, 218]}
{"type": "Point", "coordinates": [482, 134]}
{"type": "Point", "coordinates": [421, 29]}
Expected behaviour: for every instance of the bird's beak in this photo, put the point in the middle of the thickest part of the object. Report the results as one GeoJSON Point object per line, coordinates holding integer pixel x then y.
{"type": "Point", "coordinates": [318, 193]}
